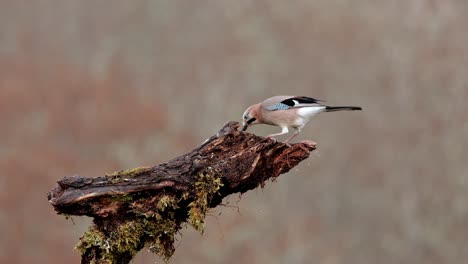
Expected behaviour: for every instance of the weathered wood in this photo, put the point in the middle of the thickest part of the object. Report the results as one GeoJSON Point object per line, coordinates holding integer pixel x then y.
{"type": "Point", "coordinates": [151, 203]}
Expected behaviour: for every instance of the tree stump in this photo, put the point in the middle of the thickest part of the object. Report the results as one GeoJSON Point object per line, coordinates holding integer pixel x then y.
{"type": "Point", "coordinates": [147, 206]}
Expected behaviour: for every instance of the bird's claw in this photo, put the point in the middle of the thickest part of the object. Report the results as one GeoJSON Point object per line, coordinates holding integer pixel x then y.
{"type": "Point", "coordinates": [273, 139]}
{"type": "Point", "coordinates": [310, 143]}
{"type": "Point", "coordinates": [276, 141]}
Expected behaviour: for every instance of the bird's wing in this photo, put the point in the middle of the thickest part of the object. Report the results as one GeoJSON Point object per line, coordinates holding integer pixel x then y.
{"type": "Point", "coordinates": [288, 102]}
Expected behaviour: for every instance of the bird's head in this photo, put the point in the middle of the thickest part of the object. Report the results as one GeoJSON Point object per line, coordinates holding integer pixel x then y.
{"type": "Point", "coordinates": [250, 116]}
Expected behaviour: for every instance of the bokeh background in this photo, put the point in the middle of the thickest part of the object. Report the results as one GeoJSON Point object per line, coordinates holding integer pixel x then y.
{"type": "Point", "coordinates": [91, 87]}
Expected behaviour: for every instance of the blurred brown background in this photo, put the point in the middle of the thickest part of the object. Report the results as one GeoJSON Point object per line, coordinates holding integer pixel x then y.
{"type": "Point", "coordinates": [91, 87]}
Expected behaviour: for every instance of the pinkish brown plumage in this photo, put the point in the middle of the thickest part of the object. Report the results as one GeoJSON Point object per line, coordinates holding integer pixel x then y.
{"type": "Point", "coordinates": [287, 112]}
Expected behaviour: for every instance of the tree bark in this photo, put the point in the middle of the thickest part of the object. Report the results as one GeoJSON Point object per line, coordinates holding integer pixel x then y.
{"type": "Point", "coordinates": [147, 206]}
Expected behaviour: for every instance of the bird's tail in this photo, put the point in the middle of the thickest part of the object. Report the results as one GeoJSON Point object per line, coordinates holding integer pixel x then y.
{"type": "Point", "coordinates": [342, 108]}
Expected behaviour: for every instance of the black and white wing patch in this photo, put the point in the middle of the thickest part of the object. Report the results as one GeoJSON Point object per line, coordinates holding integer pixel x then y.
{"type": "Point", "coordinates": [294, 102]}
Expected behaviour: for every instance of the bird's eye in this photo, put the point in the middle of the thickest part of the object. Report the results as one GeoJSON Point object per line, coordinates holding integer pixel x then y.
{"type": "Point", "coordinates": [246, 116]}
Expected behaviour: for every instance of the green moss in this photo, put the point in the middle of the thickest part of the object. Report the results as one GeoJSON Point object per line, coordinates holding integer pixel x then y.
{"type": "Point", "coordinates": [156, 226]}
{"type": "Point", "coordinates": [206, 186]}
{"type": "Point", "coordinates": [92, 238]}
{"type": "Point", "coordinates": [162, 237]}
{"type": "Point", "coordinates": [166, 201]}
{"type": "Point", "coordinates": [184, 196]}
{"type": "Point", "coordinates": [119, 176]}
{"type": "Point", "coordinates": [158, 230]}
{"type": "Point", "coordinates": [133, 172]}
{"type": "Point", "coordinates": [125, 198]}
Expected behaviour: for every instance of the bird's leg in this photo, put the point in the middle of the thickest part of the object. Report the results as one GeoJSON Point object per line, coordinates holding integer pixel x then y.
{"type": "Point", "coordinates": [296, 132]}
{"type": "Point", "coordinates": [284, 130]}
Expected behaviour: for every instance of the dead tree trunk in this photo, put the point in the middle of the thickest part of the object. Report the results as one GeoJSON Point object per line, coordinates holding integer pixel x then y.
{"type": "Point", "coordinates": [147, 206]}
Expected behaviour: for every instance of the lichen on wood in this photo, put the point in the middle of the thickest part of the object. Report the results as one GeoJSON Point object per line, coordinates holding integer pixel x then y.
{"type": "Point", "coordinates": [147, 206]}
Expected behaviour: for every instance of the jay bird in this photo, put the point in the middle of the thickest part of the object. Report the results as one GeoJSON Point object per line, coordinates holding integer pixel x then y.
{"type": "Point", "coordinates": [288, 112]}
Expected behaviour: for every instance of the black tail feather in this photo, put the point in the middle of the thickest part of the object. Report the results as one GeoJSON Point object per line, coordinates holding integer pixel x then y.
{"type": "Point", "coordinates": [342, 108]}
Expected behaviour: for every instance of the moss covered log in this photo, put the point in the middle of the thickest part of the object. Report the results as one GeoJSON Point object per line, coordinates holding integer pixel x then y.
{"type": "Point", "coordinates": [147, 206]}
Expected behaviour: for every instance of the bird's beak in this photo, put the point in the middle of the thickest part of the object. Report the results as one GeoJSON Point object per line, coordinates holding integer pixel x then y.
{"type": "Point", "coordinates": [250, 121]}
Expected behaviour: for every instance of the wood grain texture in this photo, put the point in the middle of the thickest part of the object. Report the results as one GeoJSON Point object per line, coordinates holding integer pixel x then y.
{"type": "Point", "coordinates": [240, 161]}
